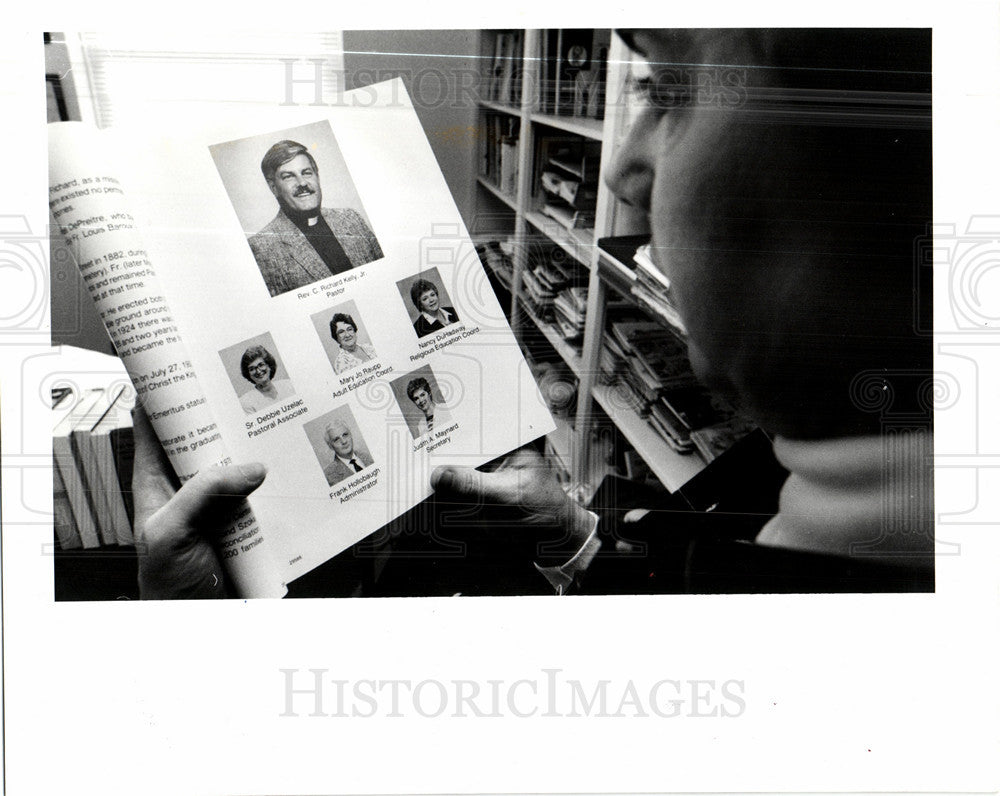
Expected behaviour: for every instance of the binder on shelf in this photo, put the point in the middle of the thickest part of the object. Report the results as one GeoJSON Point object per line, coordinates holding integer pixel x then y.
{"type": "Point", "coordinates": [508, 165]}
{"type": "Point", "coordinates": [548, 70]}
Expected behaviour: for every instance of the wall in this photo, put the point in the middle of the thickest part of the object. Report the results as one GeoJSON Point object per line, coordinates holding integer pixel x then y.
{"type": "Point", "coordinates": [439, 69]}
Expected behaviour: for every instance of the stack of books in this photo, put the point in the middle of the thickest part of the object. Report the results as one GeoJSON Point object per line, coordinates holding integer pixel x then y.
{"type": "Point", "coordinates": [566, 179]}
{"type": "Point", "coordinates": [652, 291]}
{"type": "Point", "coordinates": [677, 412]}
{"type": "Point", "coordinates": [570, 311]}
{"type": "Point", "coordinates": [544, 278]}
{"type": "Point", "coordinates": [655, 358]}
{"type": "Point", "coordinates": [92, 453]}
{"type": "Point", "coordinates": [497, 257]}
{"type": "Point", "coordinates": [712, 441]}
{"type": "Point", "coordinates": [649, 362]}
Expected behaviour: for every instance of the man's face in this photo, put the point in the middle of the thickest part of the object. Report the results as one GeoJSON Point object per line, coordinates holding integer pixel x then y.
{"type": "Point", "coordinates": [295, 185]}
{"type": "Point", "coordinates": [422, 399]}
{"type": "Point", "coordinates": [340, 439]}
{"type": "Point", "coordinates": [742, 213]}
{"type": "Point", "coordinates": [429, 301]}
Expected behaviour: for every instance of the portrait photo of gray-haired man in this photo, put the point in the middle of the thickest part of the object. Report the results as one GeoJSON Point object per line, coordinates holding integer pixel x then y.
{"type": "Point", "coordinates": [348, 458]}
{"type": "Point", "coordinates": [306, 242]}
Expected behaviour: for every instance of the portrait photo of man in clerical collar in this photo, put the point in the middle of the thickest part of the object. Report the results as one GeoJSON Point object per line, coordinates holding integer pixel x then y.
{"type": "Point", "coordinates": [298, 206]}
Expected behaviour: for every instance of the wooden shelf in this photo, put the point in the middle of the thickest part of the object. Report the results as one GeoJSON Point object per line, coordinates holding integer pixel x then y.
{"type": "Point", "coordinates": [672, 468]}
{"type": "Point", "coordinates": [510, 201]}
{"type": "Point", "coordinates": [568, 353]}
{"type": "Point", "coordinates": [577, 243]}
{"type": "Point", "coordinates": [616, 274]}
{"type": "Point", "coordinates": [563, 443]}
{"type": "Point", "coordinates": [499, 106]}
{"type": "Point", "coordinates": [580, 125]}
{"type": "Point", "coordinates": [580, 451]}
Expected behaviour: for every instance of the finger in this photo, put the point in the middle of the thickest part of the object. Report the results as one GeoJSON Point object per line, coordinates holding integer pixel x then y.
{"type": "Point", "coordinates": [525, 458]}
{"type": "Point", "coordinates": [209, 497]}
{"type": "Point", "coordinates": [153, 479]}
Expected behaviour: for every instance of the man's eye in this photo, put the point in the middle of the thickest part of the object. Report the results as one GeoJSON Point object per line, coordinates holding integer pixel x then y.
{"type": "Point", "coordinates": [664, 89]}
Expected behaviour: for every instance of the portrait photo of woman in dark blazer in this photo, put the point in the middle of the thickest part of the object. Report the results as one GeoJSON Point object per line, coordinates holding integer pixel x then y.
{"type": "Point", "coordinates": [432, 317]}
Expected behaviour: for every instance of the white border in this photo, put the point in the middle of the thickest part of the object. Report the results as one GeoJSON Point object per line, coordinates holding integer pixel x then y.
{"type": "Point", "coordinates": [881, 693]}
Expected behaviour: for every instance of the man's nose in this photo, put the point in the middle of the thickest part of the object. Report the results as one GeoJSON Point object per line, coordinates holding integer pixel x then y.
{"type": "Point", "coordinates": [630, 175]}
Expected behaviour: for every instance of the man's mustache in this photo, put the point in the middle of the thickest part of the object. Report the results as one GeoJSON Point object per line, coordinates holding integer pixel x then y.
{"type": "Point", "coordinates": [304, 190]}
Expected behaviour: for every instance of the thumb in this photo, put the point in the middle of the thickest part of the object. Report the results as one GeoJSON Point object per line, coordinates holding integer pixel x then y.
{"type": "Point", "coordinates": [464, 482]}
{"type": "Point", "coordinates": [211, 496]}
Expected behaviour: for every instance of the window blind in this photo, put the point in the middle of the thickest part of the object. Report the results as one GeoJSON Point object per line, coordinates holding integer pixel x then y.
{"type": "Point", "coordinates": [131, 76]}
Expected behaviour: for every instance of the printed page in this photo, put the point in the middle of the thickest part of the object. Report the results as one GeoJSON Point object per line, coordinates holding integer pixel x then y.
{"type": "Point", "coordinates": [94, 215]}
{"type": "Point", "coordinates": [334, 309]}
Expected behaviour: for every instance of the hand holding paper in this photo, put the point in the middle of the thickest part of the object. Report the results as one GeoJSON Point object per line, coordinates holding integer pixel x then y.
{"type": "Point", "coordinates": [175, 527]}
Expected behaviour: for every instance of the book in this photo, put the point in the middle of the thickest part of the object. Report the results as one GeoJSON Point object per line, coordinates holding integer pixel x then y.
{"type": "Point", "coordinates": [89, 460]}
{"type": "Point", "coordinates": [692, 406]}
{"type": "Point", "coordinates": [712, 441]}
{"type": "Point", "coordinates": [63, 522]}
{"type": "Point", "coordinates": [177, 239]}
{"type": "Point", "coordinates": [548, 67]}
{"type": "Point", "coordinates": [70, 472]}
{"type": "Point", "coordinates": [568, 217]}
{"type": "Point", "coordinates": [498, 71]}
{"type": "Point", "coordinates": [508, 165]}
{"type": "Point", "coordinates": [109, 475]}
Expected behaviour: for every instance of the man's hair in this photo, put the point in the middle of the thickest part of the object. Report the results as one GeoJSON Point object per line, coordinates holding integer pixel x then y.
{"type": "Point", "coordinates": [328, 434]}
{"type": "Point", "coordinates": [421, 286]}
{"type": "Point", "coordinates": [419, 383]}
{"type": "Point", "coordinates": [257, 352]}
{"type": "Point", "coordinates": [281, 153]}
{"type": "Point", "coordinates": [341, 317]}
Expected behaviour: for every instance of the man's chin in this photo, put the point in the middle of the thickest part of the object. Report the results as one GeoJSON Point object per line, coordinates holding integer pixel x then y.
{"type": "Point", "coordinates": [302, 209]}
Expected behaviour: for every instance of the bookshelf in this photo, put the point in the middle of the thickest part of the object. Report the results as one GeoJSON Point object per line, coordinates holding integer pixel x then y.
{"type": "Point", "coordinates": [525, 84]}
{"type": "Point", "coordinates": [588, 128]}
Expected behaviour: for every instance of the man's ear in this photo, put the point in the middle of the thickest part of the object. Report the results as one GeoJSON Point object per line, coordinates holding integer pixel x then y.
{"type": "Point", "coordinates": [273, 187]}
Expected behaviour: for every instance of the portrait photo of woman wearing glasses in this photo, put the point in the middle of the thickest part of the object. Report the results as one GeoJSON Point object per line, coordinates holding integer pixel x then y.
{"type": "Point", "coordinates": [260, 368]}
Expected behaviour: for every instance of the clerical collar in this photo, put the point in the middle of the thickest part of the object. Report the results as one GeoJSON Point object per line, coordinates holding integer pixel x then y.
{"type": "Point", "coordinates": [303, 222]}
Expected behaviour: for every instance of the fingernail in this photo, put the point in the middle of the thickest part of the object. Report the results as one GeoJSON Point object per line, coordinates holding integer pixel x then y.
{"type": "Point", "coordinates": [442, 477]}
{"type": "Point", "coordinates": [254, 472]}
